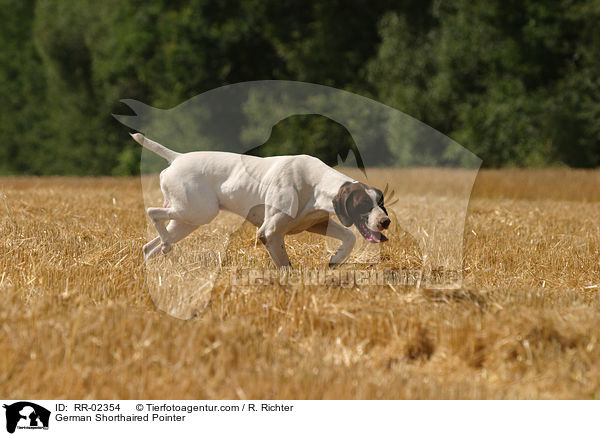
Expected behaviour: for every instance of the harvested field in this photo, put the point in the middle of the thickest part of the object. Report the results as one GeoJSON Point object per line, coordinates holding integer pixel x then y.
{"type": "Point", "coordinates": [78, 318]}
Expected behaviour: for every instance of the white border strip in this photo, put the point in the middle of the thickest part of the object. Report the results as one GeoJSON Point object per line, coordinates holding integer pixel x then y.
{"type": "Point", "coordinates": [315, 417]}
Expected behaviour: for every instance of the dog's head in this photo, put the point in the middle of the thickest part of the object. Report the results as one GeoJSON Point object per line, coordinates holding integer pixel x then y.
{"type": "Point", "coordinates": [363, 206]}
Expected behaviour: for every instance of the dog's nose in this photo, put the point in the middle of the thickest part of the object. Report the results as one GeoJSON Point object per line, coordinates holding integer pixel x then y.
{"type": "Point", "coordinates": [385, 223]}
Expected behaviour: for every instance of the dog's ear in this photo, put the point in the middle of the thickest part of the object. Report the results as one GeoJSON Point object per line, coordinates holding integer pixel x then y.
{"type": "Point", "coordinates": [339, 204]}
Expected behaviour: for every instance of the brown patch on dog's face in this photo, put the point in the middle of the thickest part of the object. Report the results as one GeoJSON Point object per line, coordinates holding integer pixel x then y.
{"type": "Point", "coordinates": [361, 205]}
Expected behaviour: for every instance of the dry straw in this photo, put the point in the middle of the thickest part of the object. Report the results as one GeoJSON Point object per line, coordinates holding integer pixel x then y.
{"type": "Point", "coordinates": [77, 319]}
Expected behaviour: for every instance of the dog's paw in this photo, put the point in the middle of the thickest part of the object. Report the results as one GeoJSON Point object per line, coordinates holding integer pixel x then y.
{"type": "Point", "coordinates": [333, 264]}
{"type": "Point", "coordinates": [165, 248]}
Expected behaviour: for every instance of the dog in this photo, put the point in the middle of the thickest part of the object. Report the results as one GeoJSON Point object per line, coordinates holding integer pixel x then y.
{"type": "Point", "coordinates": [280, 195]}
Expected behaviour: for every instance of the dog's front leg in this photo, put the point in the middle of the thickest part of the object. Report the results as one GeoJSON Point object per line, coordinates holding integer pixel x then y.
{"type": "Point", "coordinates": [271, 234]}
{"type": "Point", "coordinates": [275, 246]}
{"type": "Point", "coordinates": [337, 231]}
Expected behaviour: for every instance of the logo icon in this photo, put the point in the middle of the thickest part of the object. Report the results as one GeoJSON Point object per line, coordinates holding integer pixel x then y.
{"type": "Point", "coordinates": [26, 415]}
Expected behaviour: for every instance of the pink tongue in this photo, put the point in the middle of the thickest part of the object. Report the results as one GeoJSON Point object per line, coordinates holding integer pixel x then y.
{"type": "Point", "coordinates": [370, 235]}
{"type": "Point", "coordinates": [377, 237]}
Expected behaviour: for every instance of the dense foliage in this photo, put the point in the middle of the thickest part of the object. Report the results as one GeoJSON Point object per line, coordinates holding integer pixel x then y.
{"type": "Point", "coordinates": [516, 82]}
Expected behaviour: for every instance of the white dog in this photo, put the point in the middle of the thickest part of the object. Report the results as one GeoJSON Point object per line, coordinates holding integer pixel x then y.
{"type": "Point", "coordinates": [280, 195]}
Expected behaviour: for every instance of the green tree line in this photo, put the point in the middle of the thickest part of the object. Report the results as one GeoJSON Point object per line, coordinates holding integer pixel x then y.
{"type": "Point", "coordinates": [516, 82]}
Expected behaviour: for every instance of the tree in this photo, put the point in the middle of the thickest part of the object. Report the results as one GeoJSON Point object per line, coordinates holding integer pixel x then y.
{"type": "Point", "coordinates": [504, 79]}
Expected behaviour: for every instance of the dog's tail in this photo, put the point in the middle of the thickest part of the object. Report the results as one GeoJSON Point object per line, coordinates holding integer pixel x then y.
{"type": "Point", "coordinates": [155, 147]}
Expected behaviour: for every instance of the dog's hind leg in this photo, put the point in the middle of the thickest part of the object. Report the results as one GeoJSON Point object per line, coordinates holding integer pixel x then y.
{"type": "Point", "coordinates": [200, 207]}
{"type": "Point", "coordinates": [159, 215]}
{"type": "Point", "coordinates": [151, 248]}
{"type": "Point", "coordinates": [186, 207]}
{"type": "Point", "coordinates": [176, 231]}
